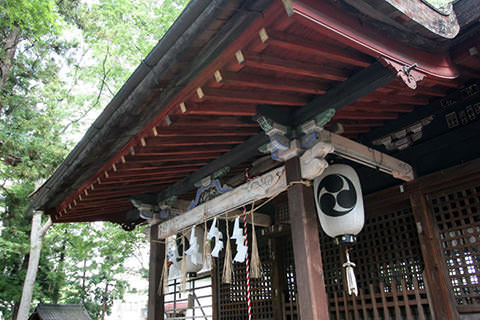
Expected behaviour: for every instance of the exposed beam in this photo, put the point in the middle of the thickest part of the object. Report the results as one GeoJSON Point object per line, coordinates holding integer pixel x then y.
{"type": "Point", "coordinates": [364, 106]}
{"type": "Point", "coordinates": [302, 45]}
{"type": "Point", "coordinates": [358, 115]}
{"type": "Point", "coordinates": [159, 151]}
{"type": "Point", "coordinates": [252, 190]}
{"type": "Point", "coordinates": [152, 172]}
{"type": "Point", "coordinates": [270, 83]}
{"type": "Point", "coordinates": [192, 141]}
{"type": "Point", "coordinates": [145, 167]}
{"type": "Point", "coordinates": [152, 178]}
{"type": "Point", "coordinates": [209, 132]}
{"type": "Point", "coordinates": [156, 160]}
{"type": "Point", "coordinates": [366, 156]}
{"type": "Point", "coordinates": [395, 98]}
{"type": "Point", "coordinates": [196, 121]}
{"type": "Point", "coordinates": [232, 158]}
{"type": "Point", "coordinates": [266, 62]}
{"type": "Point", "coordinates": [320, 16]}
{"type": "Point", "coordinates": [355, 87]}
{"type": "Point", "coordinates": [250, 96]}
{"type": "Point", "coordinates": [217, 109]}
{"type": "Point", "coordinates": [347, 92]}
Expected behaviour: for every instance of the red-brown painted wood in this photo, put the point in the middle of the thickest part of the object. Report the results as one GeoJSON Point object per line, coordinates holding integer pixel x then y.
{"type": "Point", "coordinates": [209, 122]}
{"type": "Point", "coordinates": [312, 297]}
{"type": "Point", "coordinates": [266, 62]}
{"type": "Point", "coordinates": [192, 141]}
{"type": "Point", "coordinates": [253, 96]}
{"type": "Point", "coordinates": [365, 106]}
{"type": "Point", "coordinates": [436, 272]}
{"type": "Point", "coordinates": [245, 79]}
{"type": "Point", "coordinates": [358, 115]}
{"type": "Point", "coordinates": [155, 294]}
{"type": "Point", "coordinates": [302, 45]}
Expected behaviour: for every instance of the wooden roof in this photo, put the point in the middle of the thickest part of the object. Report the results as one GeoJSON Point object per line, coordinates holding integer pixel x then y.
{"type": "Point", "coordinates": [197, 106]}
{"type": "Point", "coordinates": [60, 312]}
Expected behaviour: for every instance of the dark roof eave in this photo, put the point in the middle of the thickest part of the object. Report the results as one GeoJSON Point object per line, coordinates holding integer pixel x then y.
{"type": "Point", "coordinates": [190, 24]}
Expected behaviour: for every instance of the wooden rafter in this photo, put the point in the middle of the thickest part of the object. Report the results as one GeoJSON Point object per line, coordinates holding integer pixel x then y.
{"type": "Point", "coordinates": [299, 45]}
{"type": "Point", "coordinates": [266, 62]}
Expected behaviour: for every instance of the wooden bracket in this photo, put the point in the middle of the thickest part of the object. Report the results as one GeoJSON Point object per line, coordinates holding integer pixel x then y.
{"type": "Point", "coordinates": [409, 75]}
{"type": "Point", "coordinates": [362, 154]}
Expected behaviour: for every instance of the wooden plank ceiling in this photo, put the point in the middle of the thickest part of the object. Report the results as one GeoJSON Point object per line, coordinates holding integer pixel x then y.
{"type": "Point", "coordinates": [277, 61]}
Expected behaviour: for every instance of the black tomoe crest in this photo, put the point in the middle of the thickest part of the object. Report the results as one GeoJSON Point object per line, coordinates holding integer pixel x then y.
{"type": "Point", "coordinates": [339, 202]}
{"type": "Point", "coordinates": [336, 195]}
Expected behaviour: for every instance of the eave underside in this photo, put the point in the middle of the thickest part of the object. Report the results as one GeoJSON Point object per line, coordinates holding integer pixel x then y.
{"type": "Point", "coordinates": [279, 61]}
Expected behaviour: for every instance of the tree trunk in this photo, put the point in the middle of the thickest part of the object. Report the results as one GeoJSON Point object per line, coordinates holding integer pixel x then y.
{"type": "Point", "coordinates": [36, 237]}
{"type": "Point", "coordinates": [105, 299]}
{"type": "Point", "coordinates": [59, 271]}
{"type": "Point", "coordinates": [9, 47]}
{"type": "Point", "coordinates": [84, 275]}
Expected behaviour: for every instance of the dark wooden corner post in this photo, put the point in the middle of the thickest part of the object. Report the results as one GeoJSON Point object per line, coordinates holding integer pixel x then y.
{"type": "Point", "coordinates": [312, 297]}
{"type": "Point", "coordinates": [157, 257]}
{"type": "Point", "coordinates": [436, 271]}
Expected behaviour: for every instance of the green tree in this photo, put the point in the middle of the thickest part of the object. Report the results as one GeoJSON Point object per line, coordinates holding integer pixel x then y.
{"type": "Point", "coordinates": [59, 61]}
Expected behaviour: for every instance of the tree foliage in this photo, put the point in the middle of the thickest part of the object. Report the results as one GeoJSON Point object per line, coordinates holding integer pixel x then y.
{"type": "Point", "coordinates": [60, 62]}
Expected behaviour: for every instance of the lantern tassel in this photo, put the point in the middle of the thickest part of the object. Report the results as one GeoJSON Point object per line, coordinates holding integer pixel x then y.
{"type": "Point", "coordinates": [227, 264]}
{"type": "Point", "coordinates": [351, 281]}
{"type": "Point", "coordinates": [183, 281]}
{"type": "Point", "coordinates": [256, 265]}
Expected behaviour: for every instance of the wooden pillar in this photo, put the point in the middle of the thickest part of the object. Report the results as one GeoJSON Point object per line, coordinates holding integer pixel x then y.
{"type": "Point", "coordinates": [312, 297]}
{"type": "Point", "coordinates": [436, 271]}
{"type": "Point", "coordinates": [279, 281]}
{"type": "Point", "coordinates": [157, 257]}
{"type": "Point", "coordinates": [215, 289]}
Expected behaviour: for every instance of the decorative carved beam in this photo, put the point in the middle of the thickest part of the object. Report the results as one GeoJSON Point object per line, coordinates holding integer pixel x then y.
{"type": "Point", "coordinates": [312, 164]}
{"type": "Point", "coordinates": [254, 190]}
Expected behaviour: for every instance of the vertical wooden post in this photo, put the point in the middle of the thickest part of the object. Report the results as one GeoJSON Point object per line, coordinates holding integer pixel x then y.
{"type": "Point", "coordinates": [312, 297]}
{"type": "Point", "coordinates": [436, 271]}
{"type": "Point", "coordinates": [157, 257]}
{"type": "Point", "coordinates": [215, 289]}
{"type": "Point", "coordinates": [279, 281]}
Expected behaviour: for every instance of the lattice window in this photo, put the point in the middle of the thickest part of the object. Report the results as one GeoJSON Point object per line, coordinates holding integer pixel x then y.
{"type": "Point", "coordinates": [194, 303]}
{"type": "Point", "coordinates": [233, 297]}
{"type": "Point", "coordinates": [457, 213]}
{"type": "Point", "coordinates": [387, 250]}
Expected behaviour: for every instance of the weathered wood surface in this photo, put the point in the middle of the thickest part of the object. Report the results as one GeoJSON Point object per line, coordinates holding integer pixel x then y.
{"type": "Point", "coordinates": [157, 257]}
{"type": "Point", "coordinates": [254, 190]}
{"type": "Point", "coordinates": [312, 297]}
{"type": "Point", "coordinates": [438, 283]}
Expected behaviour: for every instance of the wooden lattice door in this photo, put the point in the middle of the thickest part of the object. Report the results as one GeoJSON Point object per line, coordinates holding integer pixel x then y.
{"type": "Point", "coordinates": [457, 213]}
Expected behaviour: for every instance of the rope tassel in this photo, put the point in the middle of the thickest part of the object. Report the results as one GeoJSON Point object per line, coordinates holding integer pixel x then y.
{"type": "Point", "coordinates": [227, 264]}
{"type": "Point", "coordinates": [207, 251]}
{"type": "Point", "coordinates": [256, 265]}
{"type": "Point", "coordinates": [164, 277]}
{"type": "Point", "coordinates": [183, 281]}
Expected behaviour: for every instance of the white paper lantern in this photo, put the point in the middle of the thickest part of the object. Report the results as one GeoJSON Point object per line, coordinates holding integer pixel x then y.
{"type": "Point", "coordinates": [338, 196]}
